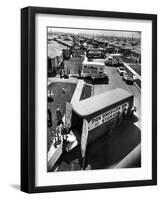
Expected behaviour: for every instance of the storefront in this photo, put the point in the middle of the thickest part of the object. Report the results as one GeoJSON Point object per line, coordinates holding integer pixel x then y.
{"type": "Point", "coordinates": [103, 112]}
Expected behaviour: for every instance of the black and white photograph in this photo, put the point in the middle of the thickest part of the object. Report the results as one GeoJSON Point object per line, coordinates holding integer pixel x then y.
{"type": "Point", "coordinates": [89, 90]}
{"type": "Point", "coordinates": [93, 99]}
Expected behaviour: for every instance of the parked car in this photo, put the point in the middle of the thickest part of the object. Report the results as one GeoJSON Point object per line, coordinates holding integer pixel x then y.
{"type": "Point", "coordinates": [66, 76]}
{"type": "Point", "coordinates": [121, 71]}
{"type": "Point", "coordinates": [128, 78]}
{"type": "Point", "coordinates": [108, 61]}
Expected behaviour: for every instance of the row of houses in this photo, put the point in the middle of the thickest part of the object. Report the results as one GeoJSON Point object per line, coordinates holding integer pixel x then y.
{"type": "Point", "coordinates": [129, 48]}
{"type": "Point", "coordinates": [58, 50]}
{"type": "Point", "coordinates": [60, 47]}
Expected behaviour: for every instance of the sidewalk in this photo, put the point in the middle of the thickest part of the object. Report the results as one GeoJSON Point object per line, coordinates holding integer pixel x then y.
{"type": "Point", "coordinates": [55, 153]}
{"type": "Point", "coordinates": [58, 79]}
{"type": "Point", "coordinates": [134, 72]}
{"type": "Point", "coordinates": [77, 92]}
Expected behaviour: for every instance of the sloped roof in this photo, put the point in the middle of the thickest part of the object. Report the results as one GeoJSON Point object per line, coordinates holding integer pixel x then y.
{"type": "Point", "coordinates": [137, 50]}
{"type": "Point", "coordinates": [51, 37]}
{"type": "Point", "coordinates": [127, 47]}
{"type": "Point", "coordinates": [65, 42]}
{"type": "Point", "coordinates": [58, 45]}
{"type": "Point", "coordinates": [53, 52]}
{"type": "Point", "coordinates": [93, 104]}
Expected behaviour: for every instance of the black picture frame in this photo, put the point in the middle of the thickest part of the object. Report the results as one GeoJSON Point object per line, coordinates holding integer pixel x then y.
{"type": "Point", "coordinates": [28, 98]}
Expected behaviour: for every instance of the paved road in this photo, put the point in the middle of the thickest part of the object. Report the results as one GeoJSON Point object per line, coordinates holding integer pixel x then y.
{"type": "Point", "coordinates": [115, 81]}
{"type": "Point", "coordinates": [108, 150]}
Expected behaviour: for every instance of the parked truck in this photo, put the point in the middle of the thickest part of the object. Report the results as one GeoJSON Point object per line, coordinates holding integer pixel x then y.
{"type": "Point", "coordinates": [94, 70]}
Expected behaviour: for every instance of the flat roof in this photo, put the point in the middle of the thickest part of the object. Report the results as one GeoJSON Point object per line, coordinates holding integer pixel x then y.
{"type": "Point", "coordinates": [95, 49]}
{"type": "Point", "coordinates": [92, 63]}
{"type": "Point", "coordinates": [127, 47]}
{"type": "Point", "coordinates": [116, 54]}
{"type": "Point", "coordinates": [96, 103]}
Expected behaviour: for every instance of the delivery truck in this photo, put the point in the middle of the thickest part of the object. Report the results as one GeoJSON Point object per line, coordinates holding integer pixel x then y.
{"type": "Point", "coordinates": [93, 70]}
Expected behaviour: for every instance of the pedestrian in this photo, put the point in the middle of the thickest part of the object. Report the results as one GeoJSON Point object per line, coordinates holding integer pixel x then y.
{"type": "Point", "coordinates": [119, 118]}
{"type": "Point", "coordinates": [125, 112]}
{"type": "Point", "coordinates": [60, 73]}
{"type": "Point", "coordinates": [59, 116]}
{"type": "Point", "coordinates": [63, 90]}
{"type": "Point", "coordinates": [59, 134]}
{"type": "Point", "coordinates": [56, 139]}
{"type": "Point", "coordinates": [79, 72]}
{"type": "Point", "coordinates": [49, 118]}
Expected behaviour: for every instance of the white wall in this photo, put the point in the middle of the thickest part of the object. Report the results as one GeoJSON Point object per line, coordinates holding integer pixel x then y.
{"type": "Point", "coordinates": [10, 98]}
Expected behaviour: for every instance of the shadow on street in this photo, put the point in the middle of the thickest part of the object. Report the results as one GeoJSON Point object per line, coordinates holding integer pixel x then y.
{"type": "Point", "coordinates": [106, 151]}
{"type": "Point", "coordinates": [114, 146]}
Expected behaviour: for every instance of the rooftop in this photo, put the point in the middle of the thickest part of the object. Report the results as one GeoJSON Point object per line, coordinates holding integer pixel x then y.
{"type": "Point", "coordinates": [93, 63]}
{"type": "Point", "coordinates": [51, 36]}
{"type": "Point", "coordinates": [58, 45]}
{"type": "Point", "coordinates": [53, 51]}
{"type": "Point", "coordinates": [93, 104]}
{"type": "Point", "coordinates": [65, 42]}
{"type": "Point", "coordinates": [137, 50]}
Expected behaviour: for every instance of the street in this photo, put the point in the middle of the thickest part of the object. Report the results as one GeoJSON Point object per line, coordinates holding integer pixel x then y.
{"type": "Point", "coordinates": [115, 81]}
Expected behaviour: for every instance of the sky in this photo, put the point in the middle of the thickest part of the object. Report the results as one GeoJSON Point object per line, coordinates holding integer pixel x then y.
{"type": "Point", "coordinates": [96, 32]}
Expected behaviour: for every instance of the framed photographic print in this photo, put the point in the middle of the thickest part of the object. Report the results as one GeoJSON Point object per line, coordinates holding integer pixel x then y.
{"type": "Point", "coordinates": [88, 99]}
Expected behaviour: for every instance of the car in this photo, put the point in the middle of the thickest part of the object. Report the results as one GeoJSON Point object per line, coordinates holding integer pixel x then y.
{"type": "Point", "coordinates": [121, 70]}
{"type": "Point", "coordinates": [66, 76]}
{"type": "Point", "coordinates": [104, 76]}
{"type": "Point", "coordinates": [108, 61]}
{"type": "Point", "coordinates": [128, 78]}
{"type": "Point", "coordinates": [117, 62]}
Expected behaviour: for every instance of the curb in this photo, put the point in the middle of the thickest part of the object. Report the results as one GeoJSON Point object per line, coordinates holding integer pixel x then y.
{"type": "Point", "coordinates": [132, 71]}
